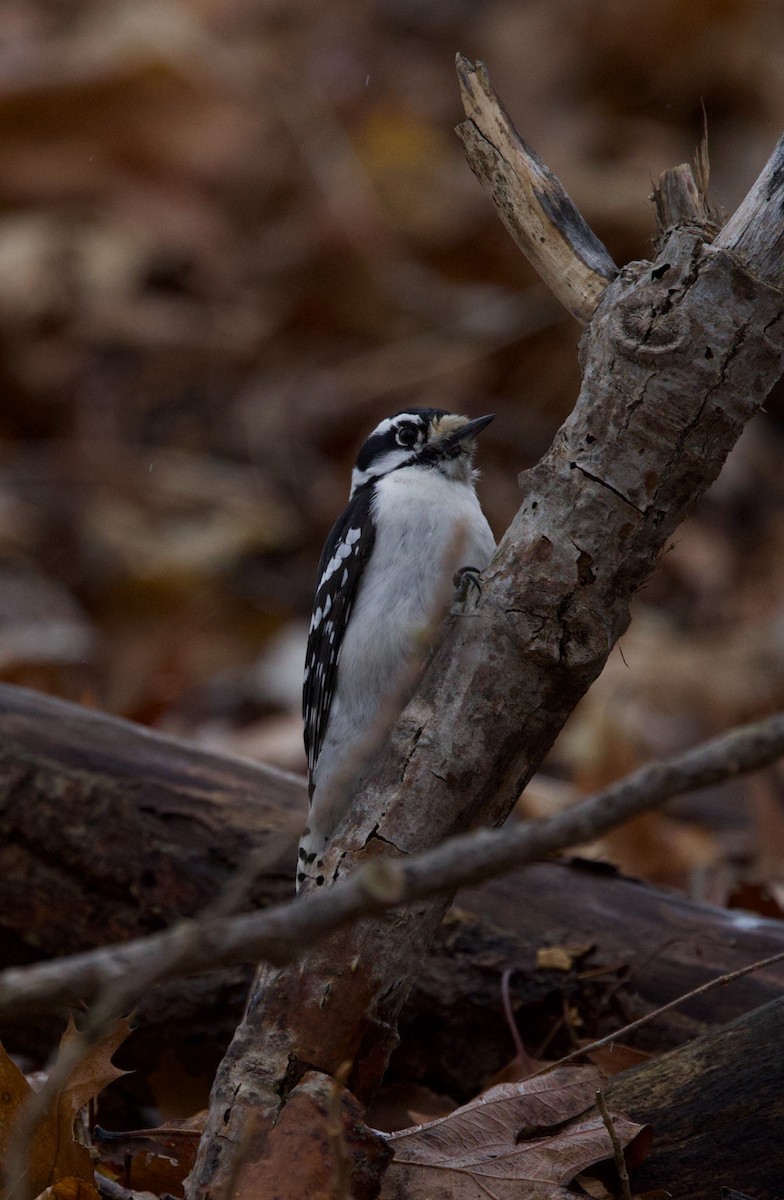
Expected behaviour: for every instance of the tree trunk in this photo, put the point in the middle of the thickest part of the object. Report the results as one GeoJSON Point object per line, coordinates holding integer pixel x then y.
{"type": "Point", "coordinates": [677, 357]}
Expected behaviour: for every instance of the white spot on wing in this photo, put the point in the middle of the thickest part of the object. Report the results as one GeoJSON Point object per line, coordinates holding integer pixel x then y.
{"type": "Point", "coordinates": [342, 552]}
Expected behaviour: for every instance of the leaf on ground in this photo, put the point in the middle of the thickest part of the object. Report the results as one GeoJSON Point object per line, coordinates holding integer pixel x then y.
{"type": "Point", "coordinates": [71, 1189]}
{"type": "Point", "coordinates": [14, 1090]}
{"type": "Point", "coordinates": [521, 1067]}
{"type": "Point", "coordinates": [54, 1154]}
{"type": "Point", "coordinates": [95, 1071]}
{"type": "Point", "coordinates": [617, 1057]}
{"type": "Point", "coordinates": [155, 1160]}
{"type": "Point", "coordinates": [593, 1187]}
{"type": "Point", "coordinates": [509, 1144]}
{"type": "Point", "coordinates": [560, 958]}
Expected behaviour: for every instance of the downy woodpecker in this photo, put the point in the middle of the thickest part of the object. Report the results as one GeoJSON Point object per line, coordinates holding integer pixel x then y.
{"type": "Point", "coordinates": [412, 505]}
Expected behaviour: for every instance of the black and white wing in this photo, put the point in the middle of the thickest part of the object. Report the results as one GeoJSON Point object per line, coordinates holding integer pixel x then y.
{"type": "Point", "coordinates": [343, 560]}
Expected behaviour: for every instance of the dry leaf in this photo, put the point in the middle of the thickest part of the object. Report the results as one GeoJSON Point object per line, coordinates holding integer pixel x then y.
{"type": "Point", "coordinates": [54, 1154]}
{"type": "Point", "coordinates": [94, 1072]}
{"type": "Point", "coordinates": [502, 1144]}
{"type": "Point", "coordinates": [594, 1187]}
{"type": "Point", "coordinates": [48, 1159]}
{"type": "Point", "coordinates": [560, 958]}
{"type": "Point", "coordinates": [154, 1160]}
{"type": "Point", "coordinates": [617, 1057]}
{"type": "Point", "coordinates": [71, 1189]}
{"type": "Point", "coordinates": [521, 1067]}
{"type": "Point", "coordinates": [14, 1090]}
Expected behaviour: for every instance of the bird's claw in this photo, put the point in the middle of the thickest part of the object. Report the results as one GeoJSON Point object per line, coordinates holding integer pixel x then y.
{"type": "Point", "coordinates": [463, 580]}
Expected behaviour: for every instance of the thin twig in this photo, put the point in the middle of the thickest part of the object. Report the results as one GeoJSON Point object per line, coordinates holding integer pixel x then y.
{"type": "Point", "coordinates": [620, 1161]}
{"type": "Point", "coordinates": [719, 981]}
{"type": "Point", "coordinates": [506, 1000]}
{"type": "Point", "coordinates": [279, 934]}
{"type": "Point", "coordinates": [112, 1190]}
{"type": "Point", "coordinates": [337, 1134]}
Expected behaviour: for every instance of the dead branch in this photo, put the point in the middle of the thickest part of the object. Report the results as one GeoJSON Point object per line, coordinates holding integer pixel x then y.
{"type": "Point", "coordinates": [530, 200]}
{"type": "Point", "coordinates": [72, 778]}
{"type": "Point", "coordinates": [670, 945]}
{"type": "Point", "coordinates": [678, 356]}
{"type": "Point", "coordinates": [755, 232]}
{"type": "Point", "coordinates": [680, 201]}
{"type": "Point", "coordinates": [278, 934]}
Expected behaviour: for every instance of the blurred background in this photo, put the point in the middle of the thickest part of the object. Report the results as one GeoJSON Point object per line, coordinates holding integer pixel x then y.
{"type": "Point", "coordinates": [234, 234]}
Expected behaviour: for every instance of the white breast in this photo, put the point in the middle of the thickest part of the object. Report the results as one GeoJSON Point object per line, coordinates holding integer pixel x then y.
{"type": "Point", "coordinates": [427, 527]}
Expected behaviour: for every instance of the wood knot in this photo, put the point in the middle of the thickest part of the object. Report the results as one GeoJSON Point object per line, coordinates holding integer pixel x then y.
{"type": "Point", "coordinates": [585, 642]}
{"type": "Point", "coordinates": [645, 326]}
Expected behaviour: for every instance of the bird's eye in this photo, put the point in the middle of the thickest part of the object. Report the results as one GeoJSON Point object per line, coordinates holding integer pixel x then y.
{"type": "Point", "coordinates": [406, 435]}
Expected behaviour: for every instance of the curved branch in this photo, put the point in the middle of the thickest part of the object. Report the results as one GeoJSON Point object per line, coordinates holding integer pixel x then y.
{"type": "Point", "coordinates": [531, 201]}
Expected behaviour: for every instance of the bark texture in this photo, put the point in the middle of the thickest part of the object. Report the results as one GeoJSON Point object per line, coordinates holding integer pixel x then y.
{"type": "Point", "coordinates": [108, 832]}
{"type": "Point", "coordinates": [92, 806]}
{"type": "Point", "coordinates": [678, 356]}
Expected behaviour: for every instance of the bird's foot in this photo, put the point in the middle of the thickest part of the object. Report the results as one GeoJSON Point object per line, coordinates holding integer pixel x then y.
{"type": "Point", "coordinates": [464, 580]}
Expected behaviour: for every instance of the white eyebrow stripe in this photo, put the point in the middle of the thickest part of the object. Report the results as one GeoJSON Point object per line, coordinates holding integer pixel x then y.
{"type": "Point", "coordinates": [395, 423]}
{"type": "Point", "coordinates": [384, 426]}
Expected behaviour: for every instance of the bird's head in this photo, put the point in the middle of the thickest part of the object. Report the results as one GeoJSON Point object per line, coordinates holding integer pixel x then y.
{"type": "Point", "coordinates": [422, 437]}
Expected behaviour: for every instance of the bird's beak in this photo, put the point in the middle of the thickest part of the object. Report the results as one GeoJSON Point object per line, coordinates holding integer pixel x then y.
{"type": "Point", "coordinates": [469, 430]}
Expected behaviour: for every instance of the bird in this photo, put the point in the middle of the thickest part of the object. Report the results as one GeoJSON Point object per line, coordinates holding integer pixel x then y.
{"type": "Point", "coordinates": [412, 505]}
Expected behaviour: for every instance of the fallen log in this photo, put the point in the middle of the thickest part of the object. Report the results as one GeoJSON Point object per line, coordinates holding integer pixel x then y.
{"type": "Point", "coordinates": [108, 831]}
{"type": "Point", "coordinates": [716, 1107]}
